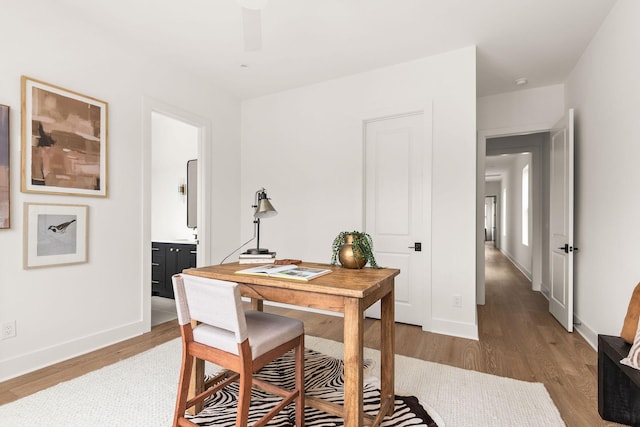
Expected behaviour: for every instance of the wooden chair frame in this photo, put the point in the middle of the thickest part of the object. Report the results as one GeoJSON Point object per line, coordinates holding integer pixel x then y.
{"type": "Point", "coordinates": [241, 368]}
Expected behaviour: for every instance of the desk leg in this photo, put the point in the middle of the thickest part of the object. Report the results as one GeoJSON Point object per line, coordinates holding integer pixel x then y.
{"type": "Point", "coordinates": [353, 356]}
{"type": "Point", "coordinates": [387, 349]}
{"type": "Point", "coordinates": [257, 304]}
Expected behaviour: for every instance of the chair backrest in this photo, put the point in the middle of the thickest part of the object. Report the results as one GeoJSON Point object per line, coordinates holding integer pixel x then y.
{"type": "Point", "coordinates": [214, 302]}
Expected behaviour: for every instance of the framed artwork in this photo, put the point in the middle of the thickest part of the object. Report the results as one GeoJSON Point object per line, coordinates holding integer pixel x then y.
{"type": "Point", "coordinates": [5, 201]}
{"type": "Point", "coordinates": [54, 234]}
{"type": "Point", "coordinates": [64, 141]}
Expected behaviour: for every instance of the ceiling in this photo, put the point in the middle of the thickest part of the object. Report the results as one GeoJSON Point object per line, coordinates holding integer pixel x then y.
{"type": "Point", "coordinates": [308, 41]}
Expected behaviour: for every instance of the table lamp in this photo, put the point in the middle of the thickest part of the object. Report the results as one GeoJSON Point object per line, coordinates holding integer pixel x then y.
{"type": "Point", "coordinates": [263, 209]}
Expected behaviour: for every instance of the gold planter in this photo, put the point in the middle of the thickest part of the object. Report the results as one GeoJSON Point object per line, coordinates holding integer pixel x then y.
{"type": "Point", "coordinates": [349, 256]}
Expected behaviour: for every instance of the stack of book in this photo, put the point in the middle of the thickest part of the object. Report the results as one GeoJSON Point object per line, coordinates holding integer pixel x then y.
{"type": "Point", "coordinates": [267, 258]}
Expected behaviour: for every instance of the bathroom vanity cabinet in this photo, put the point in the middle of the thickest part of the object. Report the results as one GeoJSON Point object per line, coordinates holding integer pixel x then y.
{"type": "Point", "coordinates": [167, 259]}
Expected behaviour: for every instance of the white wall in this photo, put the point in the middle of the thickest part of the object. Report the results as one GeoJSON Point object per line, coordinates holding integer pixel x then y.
{"type": "Point", "coordinates": [537, 109]}
{"type": "Point", "coordinates": [64, 311]}
{"type": "Point", "coordinates": [511, 245]}
{"type": "Point", "coordinates": [174, 143]}
{"type": "Point", "coordinates": [604, 89]}
{"type": "Point", "coordinates": [306, 147]}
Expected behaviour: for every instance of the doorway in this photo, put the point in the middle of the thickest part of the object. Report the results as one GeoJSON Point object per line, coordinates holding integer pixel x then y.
{"type": "Point", "coordinates": [534, 143]}
{"type": "Point", "coordinates": [490, 220]}
{"type": "Point", "coordinates": [174, 143]}
{"type": "Point", "coordinates": [172, 137]}
{"type": "Point", "coordinates": [508, 175]}
{"type": "Point", "coordinates": [174, 147]}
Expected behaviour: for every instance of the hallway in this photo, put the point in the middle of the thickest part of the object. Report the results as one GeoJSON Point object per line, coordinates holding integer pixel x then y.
{"type": "Point", "coordinates": [521, 339]}
{"type": "Point", "coordinates": [509, 299]}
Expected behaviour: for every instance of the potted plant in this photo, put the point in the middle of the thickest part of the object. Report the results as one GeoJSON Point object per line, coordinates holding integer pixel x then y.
{"type": "Point", "coordinates": [354, 249]}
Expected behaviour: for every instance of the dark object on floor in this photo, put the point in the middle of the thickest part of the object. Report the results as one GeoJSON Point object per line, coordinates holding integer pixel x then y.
{"type": "Point", "coordinates": [618, 385]}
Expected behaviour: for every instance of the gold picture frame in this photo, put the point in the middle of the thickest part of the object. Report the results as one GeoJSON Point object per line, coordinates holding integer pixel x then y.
{"type": "Point", "coordinates": [5, 173]}
{"type": "Point", "coordinates": [55, 234]}
{"type": "Point", "coordinates": [64, 141]}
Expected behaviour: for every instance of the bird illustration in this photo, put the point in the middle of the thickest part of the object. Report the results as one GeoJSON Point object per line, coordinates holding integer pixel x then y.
{"type": "Point", "coordinates": [61, 228]}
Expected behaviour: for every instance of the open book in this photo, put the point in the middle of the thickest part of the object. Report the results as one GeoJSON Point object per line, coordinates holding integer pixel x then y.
{"type": "Point", "coordinates": [286, 272]}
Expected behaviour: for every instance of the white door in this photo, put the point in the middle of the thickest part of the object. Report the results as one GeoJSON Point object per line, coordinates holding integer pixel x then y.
{"type": "Point", "coordinates": [561, 222]}
{"type": "Point", "coordinates": [397, 181]}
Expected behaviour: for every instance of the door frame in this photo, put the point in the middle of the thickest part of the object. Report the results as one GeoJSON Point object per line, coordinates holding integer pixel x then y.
{"type": "Point", "coordinates": [483, 136]}
{"type": "Point", "coordinates": [494, 207]}
{"type": "Point", "coordinates": [426, 109]}
{"type": "Point", "coordinates": [203, 125]}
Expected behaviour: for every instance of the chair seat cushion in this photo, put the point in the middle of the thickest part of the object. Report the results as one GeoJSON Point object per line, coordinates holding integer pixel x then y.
{"type": "Point", "coordinates": [266, 331]}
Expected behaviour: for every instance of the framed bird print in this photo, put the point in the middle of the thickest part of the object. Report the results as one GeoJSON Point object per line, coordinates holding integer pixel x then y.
{"type": "Point", "coordinates": [64, 141]}
{"type": "Point", "coordinates": [54, 234]}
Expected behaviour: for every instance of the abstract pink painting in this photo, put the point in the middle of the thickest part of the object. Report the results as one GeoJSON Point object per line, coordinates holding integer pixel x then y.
{"type": "Point", "coordinates": [64, 141]}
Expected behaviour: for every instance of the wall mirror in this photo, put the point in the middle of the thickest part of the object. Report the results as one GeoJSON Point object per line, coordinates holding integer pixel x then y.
{"type": "Point", "coordinates": [192, 193]}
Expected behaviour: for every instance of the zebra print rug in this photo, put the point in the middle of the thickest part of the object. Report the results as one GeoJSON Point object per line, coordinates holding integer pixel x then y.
{"type": "Point", "coordinates": [324, 379]}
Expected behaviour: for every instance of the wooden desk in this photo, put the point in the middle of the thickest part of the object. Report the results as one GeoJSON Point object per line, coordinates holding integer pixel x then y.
{"type": "Point", "coordinates": [343, 290]}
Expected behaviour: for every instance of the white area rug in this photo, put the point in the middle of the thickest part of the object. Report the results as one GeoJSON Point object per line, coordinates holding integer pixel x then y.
{"type": "Point", "coordinates": [141, 391]}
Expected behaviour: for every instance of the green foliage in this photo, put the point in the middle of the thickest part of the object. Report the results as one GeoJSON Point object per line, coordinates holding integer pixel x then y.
{"type": "Point", "coordinates": [362, 246]}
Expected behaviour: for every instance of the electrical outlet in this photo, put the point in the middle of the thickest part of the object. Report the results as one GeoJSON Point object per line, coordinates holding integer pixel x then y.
{"type": "Point", "coordinates": [457, 301]}
{"type": "Point", "coordinates": [8, 330]}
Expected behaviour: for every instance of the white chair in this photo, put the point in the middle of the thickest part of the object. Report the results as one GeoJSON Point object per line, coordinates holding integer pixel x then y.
{"type": "Point", "coordinates": [241, 342]}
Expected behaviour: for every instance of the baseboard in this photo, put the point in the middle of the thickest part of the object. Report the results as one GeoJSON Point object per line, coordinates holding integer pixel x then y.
{"type": "Point", "coordinates": [526, 273]}
{"type": "Point", "coordinates": [585, 331]}
{"type": "Point", "coordinates": [41, 358]}
{"type": "Point", "coordinates": [456, 329]}
{"type": "Point", "coordinates": [589, 335]}
{"type": "Point", "coordinates": [544, 290]}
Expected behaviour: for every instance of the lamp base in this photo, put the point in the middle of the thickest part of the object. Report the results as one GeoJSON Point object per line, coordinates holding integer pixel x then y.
{"type": "Point", "coordinates": [257, 251]}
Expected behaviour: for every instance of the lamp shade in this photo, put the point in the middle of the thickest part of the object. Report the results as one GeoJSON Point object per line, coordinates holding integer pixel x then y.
{"type": "Point", "coordinates": [264, 208]}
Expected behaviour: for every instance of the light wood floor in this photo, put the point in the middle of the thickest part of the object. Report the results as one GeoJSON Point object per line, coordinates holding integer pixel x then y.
{"type": "Point", "coordinates": [518, 339]}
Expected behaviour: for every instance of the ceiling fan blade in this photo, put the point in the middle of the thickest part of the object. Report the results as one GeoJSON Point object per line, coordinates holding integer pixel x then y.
{"type": "Point", "coordinates": [251, 29]}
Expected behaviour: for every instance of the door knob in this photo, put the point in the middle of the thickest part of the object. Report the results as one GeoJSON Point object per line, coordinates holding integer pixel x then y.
{"type": "Point", "coordinates": [417, 246]}
{"type": "Point", "coordinates": [566, 248]}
